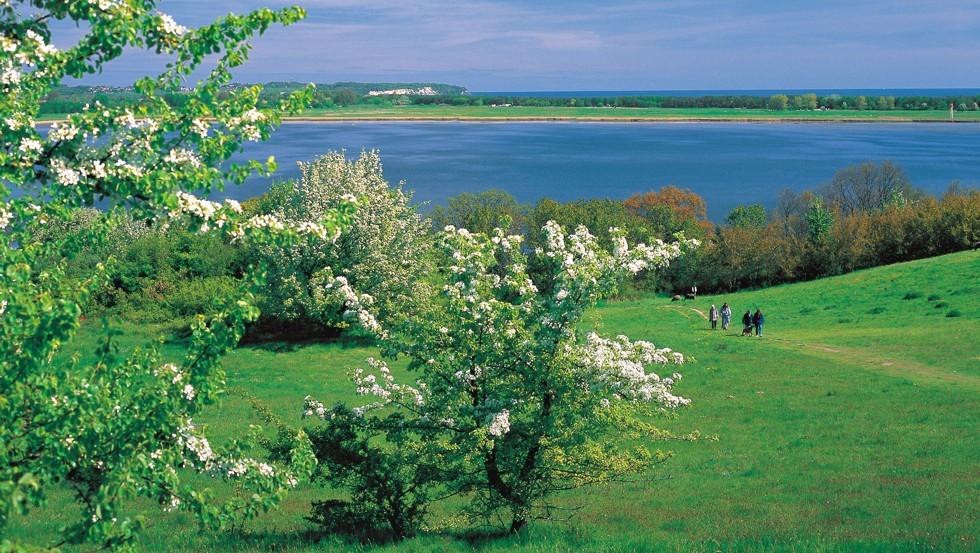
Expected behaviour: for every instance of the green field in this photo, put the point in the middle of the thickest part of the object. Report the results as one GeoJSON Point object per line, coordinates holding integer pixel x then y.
{"type": "Point", "coordinates": [850, 426]}
{"type": "Point", "coordinates": [436, 112]}
{"type": "Point", "coordinates": [522, 113]}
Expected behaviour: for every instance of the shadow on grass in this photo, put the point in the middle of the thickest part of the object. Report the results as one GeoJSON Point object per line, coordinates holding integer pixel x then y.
{"type": "Point", "coordinates": [315, 539]}
{"type": "Point", "coordinates": [278, 337]}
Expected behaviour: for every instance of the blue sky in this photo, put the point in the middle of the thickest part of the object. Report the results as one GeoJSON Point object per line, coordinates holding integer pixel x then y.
{"type": "Point", "coordinates": [609, 45]}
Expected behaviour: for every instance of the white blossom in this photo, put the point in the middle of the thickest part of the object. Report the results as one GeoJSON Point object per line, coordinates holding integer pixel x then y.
{"type": "Point", "coordinates": [127, 120]}
{"type": "Point", "coordinates": [182, 156]}
{"type": "Point", "coordinates": [30, 145]}
{"type": "Point", "coordinates": [171, 27]}
{"type": "Point", "coordinates": [62, 131]}
{"type": "Point", "coordinates": [97, 169]}
{"type": "Point", "coordinates": [10, 75]}
{"type": "Point", "coordinates": [500, 424]}
{"type": "Point", "coordinates": [233, 205]}
{"type": "Point", "coordinates": [64, 175]}
{"type": "Point", "coordinates": [105, 5]}
{"type": "Point", "coordinates": [246, 124]}
{"type": "Point", "coordinates": [200, 127]}
{"type": "Point", "coordinates": [5, 217]}
{"type": "Point", "coordinates": [8, 44]}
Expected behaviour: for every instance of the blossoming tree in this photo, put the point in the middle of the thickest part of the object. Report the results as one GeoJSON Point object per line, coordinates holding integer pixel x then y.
{"type": "Point", "coordinates": [121, 426]}
{"type": "Point", "coordinates": [383, 254]}
{"type": "Point", "coordinates": [513, 400]}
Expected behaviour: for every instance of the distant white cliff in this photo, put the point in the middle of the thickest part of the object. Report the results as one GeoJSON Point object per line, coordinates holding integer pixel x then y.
{"type": "Point", "coordinates": [423, 91]}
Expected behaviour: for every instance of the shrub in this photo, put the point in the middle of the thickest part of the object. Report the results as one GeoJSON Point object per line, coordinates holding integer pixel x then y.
{"type": "Point", "coordinates": [481, 212]}
{"type": "Point", "coordinates": [389, 482]}
{"type": "Point", "coordinates": [911, 295]}
{"type": "Point", "coordinates": [954, 313]}
{"type": "Point", "coordinates": [199, 295]}
{"type": "Point", "coordinates": [383, 255]}
{"type": "Point", "coordinates": [512, 401]}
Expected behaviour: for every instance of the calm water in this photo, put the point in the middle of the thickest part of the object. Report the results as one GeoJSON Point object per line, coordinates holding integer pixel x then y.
{"type": "Point", "coordinates": [726, 163]}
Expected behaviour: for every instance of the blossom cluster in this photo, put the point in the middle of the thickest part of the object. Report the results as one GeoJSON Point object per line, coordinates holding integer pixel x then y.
{"type": "Point", "coordinates": [171, 27]}
{"type": "Point", "coordinates": [176, 376]}
{"type": "Point", "coordinates": [499, 424]}
{"type": "Point", "coordinates": [616, 367]}
{"type": "Point", "coordinates": [199, 454]}
{"type": "Point", "coordinates": [247, 124]}
{"type": "Point", "coordinates": [19, 54]}
{"type": "Point", "coordinates": [380, 384]}
{"type": "Point", "coordinates": [5, 217]}
{"type": "Point", "coordinates": [209, 213]}
{"type": "Point", "coordinates": [355, 307]}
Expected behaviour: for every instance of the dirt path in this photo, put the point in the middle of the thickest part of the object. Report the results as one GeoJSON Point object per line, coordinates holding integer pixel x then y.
{"type": "Point", "coordinates": [863, 358]}
{"type": "Point", "coordinates": [681, 309]}
{"type": "Point", "coordinates": [873, 361]}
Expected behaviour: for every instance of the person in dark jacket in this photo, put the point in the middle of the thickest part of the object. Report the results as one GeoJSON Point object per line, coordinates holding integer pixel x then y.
{"type": "Point", "coordinates": [757, 320]}
{"type": "Point", "coordinates": [747, 323]}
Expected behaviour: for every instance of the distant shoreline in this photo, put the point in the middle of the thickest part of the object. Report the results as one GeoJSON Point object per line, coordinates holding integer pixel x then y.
{"type": "Point", "coordinates": [587, 119]}
{"type": "Point", "coordinates": [544, 115]}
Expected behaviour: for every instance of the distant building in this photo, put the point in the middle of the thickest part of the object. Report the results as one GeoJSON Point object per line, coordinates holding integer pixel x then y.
{"type": "Point", "coordinates": [423, 91]}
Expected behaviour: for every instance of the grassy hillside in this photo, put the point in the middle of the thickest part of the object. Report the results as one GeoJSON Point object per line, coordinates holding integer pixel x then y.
{"type": "Point", "coordinates": [851, 425]}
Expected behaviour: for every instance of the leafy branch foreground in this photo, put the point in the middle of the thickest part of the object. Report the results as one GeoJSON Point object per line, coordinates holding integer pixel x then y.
{"type": "Point", "coordinates": [121, 426]}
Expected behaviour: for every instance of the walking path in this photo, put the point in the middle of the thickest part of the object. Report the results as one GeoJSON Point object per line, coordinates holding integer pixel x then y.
{"type": "Point", "coordinates": [871, 359]}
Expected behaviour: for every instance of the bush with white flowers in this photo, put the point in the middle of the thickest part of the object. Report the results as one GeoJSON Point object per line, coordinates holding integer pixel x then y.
{"type": "Point", "coordinates": [512, 398]}
{"type": "Point", "coordinates": [120, 425]}
{"type": "Point", "coordinates": [383, 255]}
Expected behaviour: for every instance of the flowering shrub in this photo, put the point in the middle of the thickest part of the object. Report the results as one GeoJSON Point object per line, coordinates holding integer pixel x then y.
{"type": "Point", "coordinates": [121, 426]}
{"type": "Point", "coordinates": [513, 401]}
{"type": "Point", "coordinates": [383, 255]}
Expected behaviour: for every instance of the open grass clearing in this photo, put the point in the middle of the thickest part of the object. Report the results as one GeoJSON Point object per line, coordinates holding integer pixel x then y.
{"type": "Point", "coordinates": [822, 446]}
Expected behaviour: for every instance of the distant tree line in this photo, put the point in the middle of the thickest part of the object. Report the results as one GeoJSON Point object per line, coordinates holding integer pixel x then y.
{"type": "Point", "coordinates": [868, 215]}
{"type": "Point", "coordinates": [72, 99]}
{"type": "Point", "coordinates": [777, 102]}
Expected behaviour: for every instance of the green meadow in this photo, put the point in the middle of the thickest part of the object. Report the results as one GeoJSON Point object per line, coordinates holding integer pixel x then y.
{"type": "Point", "coordinates": [851, 425]}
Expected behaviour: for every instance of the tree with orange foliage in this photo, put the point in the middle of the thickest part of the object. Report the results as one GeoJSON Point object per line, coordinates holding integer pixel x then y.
{"type": "Point", "coordinates": [671, 209]}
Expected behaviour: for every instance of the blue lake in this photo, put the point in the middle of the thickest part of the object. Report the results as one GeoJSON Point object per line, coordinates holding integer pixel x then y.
{"type": "Point", "coordinates": [726, 163]}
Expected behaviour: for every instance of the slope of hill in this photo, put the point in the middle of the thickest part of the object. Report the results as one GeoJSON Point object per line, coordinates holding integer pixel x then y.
{"type": "Point", "coordinates": [849, 426]}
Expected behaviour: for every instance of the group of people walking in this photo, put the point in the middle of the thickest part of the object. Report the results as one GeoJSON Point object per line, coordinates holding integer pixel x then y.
{"type": "Point", "coordinates": [750, 320]}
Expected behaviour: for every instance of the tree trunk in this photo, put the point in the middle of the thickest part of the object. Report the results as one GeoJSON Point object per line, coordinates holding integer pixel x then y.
{"type": "Point", "coordinates": [518, 524]}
